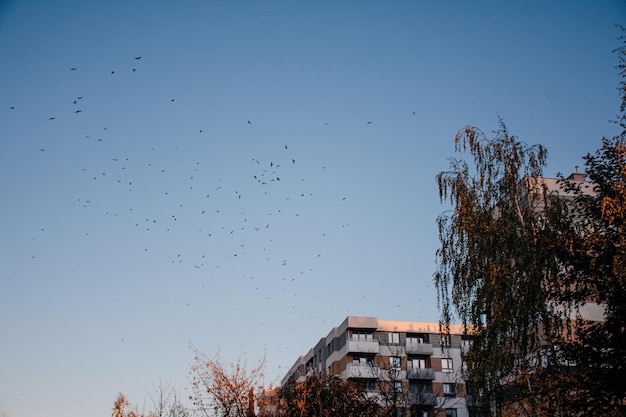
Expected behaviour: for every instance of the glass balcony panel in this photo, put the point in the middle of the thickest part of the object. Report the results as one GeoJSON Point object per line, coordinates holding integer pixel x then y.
{"type": "Point", "coordinates": [363, 346]}
{"type": "Point", "coordinates": [421, 373]}
{"type": "Point", "coordinates": [419, 348]}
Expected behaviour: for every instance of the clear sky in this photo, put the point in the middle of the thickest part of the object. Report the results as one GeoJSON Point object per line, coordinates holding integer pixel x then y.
{"type": "Point", "coordinates": [241, 176]}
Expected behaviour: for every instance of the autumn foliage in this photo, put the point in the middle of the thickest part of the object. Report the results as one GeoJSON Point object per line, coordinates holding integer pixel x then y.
{"type": "Point", "coordinates": [225, 390]}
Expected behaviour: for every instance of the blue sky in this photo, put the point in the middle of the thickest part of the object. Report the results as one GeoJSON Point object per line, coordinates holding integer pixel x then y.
{"type": "Point", "coordinates": [262, 171]}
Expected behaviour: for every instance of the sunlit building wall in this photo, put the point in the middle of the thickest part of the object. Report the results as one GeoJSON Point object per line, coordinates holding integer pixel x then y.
{"type": "Point", "coordinates": [412, 357]}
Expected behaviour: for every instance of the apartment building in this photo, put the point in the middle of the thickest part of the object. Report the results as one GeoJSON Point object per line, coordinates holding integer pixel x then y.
{"type": "Point", "coordinates": [405, 365]}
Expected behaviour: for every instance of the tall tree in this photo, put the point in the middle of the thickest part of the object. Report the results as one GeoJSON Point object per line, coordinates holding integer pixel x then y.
{"type": "Point", "coordinates": [519, 262]}
{"type": "Point", "coordinates": [596, 260]}
{"type": "Point", "coordinates": [492, 261]}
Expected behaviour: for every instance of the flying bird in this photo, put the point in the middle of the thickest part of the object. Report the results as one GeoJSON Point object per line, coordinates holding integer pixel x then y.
{"type": "Point", "coordinates": [137, 57]}
{"type": "Point", "coordinates": [73, 69]}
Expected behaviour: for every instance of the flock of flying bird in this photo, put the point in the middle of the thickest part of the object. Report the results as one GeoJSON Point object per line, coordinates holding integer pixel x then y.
{"type": "Point", "coordinates": [237, 214]}
{"type": "Point", "coordinates": [173, 197]}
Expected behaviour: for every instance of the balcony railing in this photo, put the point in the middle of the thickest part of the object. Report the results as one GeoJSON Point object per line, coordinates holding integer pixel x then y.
{"type": "Point", "coordinates": [422, 398]}
{"type": "Point", "coordinates": [419, 348]}
{"type": "Point", "coordinates": [363, 346]}
{"type": "Point", "coordinates": [421, 373]}
{"type": "Point", "coordinates": [361, 370]}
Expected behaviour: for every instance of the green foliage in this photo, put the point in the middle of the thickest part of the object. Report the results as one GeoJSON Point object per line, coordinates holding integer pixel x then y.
{"type": "Point", "coordinates": [598, 275]}
{"type": "Point", "coordinates": [519, 263]}
{"type": "Point", "coordinates": [492, 260]}
{"type": "Point", "coordinates": [596, 261]}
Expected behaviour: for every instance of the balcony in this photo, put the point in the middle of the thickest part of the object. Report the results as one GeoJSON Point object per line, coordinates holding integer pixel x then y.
{"type": "Point", "coordinates": [419, 348]}
{"type": "Point", "coordinates": [361, 370]}
{"type": "Point", "coordinates": [363, 346]}
{"type": "Point", "coordinates": [422, 398]}
{"type": "Point", "coordinates": [421, 373]}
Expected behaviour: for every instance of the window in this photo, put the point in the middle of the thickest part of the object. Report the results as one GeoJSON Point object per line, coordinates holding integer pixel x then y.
{"type": "Point", "coordinates": [394, 362]}
{"type": "Point", "coordinates": [397, 387]}
{"type": "Point", "coordinates": [465, 346]}
{"type": "Point", "coordinates": [418, 388]}
{"type": "Point", "coordinates": [362, 360]}
{"type": "Point", "coordinates": [366, 385]}
{"type": "Point", "coordinates": [451, 412]}
{"type": "Point", "coordinates": [417, 363]}
{"type": "Point", "coordinates": [448, 390]}
{"type": "Point", "coordinates": [361, 335]}
{"type": "Point", "coordinates": [394, 338]}
{"type": "Point", "coordinates": [446, 365]}
{"type": "Point", "coordinates": [416, 339]}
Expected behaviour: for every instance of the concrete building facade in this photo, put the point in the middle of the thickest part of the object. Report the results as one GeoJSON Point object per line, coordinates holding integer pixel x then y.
{"type": "Point", "coordinates": [405, 365]}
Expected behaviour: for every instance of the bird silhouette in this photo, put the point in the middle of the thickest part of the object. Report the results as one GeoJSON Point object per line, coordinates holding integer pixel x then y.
{"type": "Point", "coordinates": [137, 57]}
{"type": "Point", "coordinates": [73, 69]}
